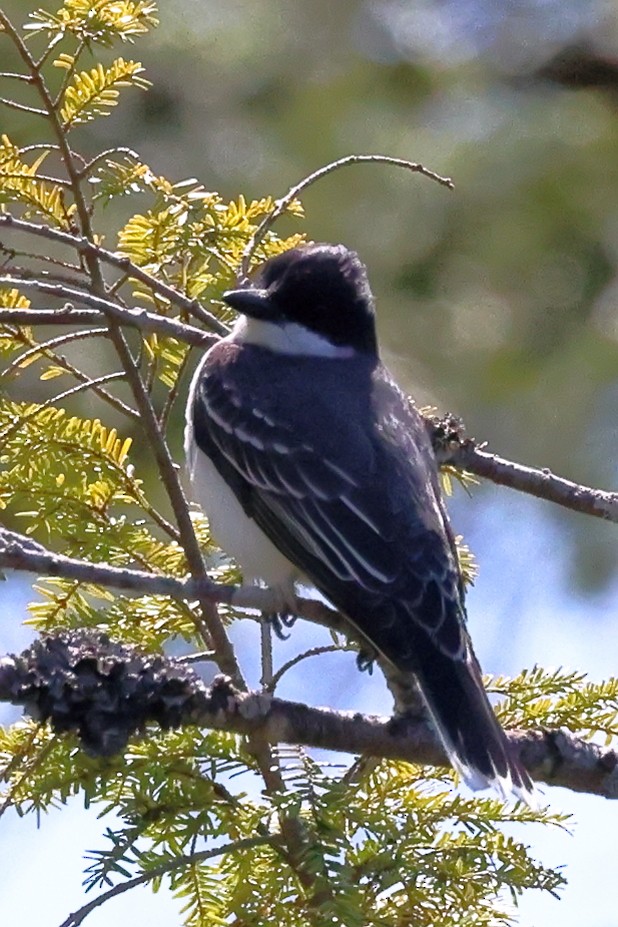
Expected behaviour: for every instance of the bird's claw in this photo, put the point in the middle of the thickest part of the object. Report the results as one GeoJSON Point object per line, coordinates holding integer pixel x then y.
{"type": "Point", "coordinates": [365, 660]}
{"type": "Point", "coordinates": [280, 620]}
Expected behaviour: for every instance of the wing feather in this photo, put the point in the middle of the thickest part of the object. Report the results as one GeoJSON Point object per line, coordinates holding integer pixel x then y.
{"type": "Point", "coordinates": [361, 518]}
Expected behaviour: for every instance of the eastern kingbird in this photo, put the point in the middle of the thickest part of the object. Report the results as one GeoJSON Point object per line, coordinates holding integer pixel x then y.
{"type": "Point", "coordinates": [311, 464]}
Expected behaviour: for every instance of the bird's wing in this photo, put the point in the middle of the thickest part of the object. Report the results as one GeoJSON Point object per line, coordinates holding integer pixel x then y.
{"type": "Point", "coordinates": [347, 490]}
{"type": "Point", "coordinates": [358, 513]}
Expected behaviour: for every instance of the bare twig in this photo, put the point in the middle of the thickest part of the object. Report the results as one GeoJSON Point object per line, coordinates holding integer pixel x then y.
{"type": "Point", "coordinates": [59, 397]}
{"type": "Point", "coordinates": [40, 146]}
{"type": "Point", "coordinates": [86, 247]}
{"type": "Point", "coordinates": [13, 76]}
{"type": "Point", "coordinates": [172, 394]}
{"type": "Point", "coordinates": [33, 110]}
{"type": "Point", "coordinates": [294, 192]}
{"type": "Point", "coordinates": [12, 253]}
{"type": "Point", "coordinates": [453, 447]}
{"type": "Point", "coordinates": [201, 656]}
{"type": "Point", "coordinates": [47, 276]}
{"type": "Point", "coordinates": [120, 149]}
{"type": "Point", "coordinates": [541, 483]}
{"type": "Point", "coordinates": [69, 72]}
{"type": "Point", "coordinates": [50, 345]}
{"type": "Point", "coordinates": [57, 181]}
{"type": "Point", "coordinates": [135, 318]}
{"type": "Point", "coordinates": [313, 652]}
{"type": "Point", "coordinates": [66, 315]}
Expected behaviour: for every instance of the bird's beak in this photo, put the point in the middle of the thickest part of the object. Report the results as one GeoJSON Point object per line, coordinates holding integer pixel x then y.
{"type": "Point", "coordinates": [255, 303]}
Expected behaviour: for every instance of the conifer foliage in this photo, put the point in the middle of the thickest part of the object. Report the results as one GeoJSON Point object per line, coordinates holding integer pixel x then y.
{"type": "Point", "coordinates": [96, 333]}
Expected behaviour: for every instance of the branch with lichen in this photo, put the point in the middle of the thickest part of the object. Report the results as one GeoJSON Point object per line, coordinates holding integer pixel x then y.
{"type": "Point", "coordinates": [454, 449]}
{"type": "Point", "coordinates": [107, 692]}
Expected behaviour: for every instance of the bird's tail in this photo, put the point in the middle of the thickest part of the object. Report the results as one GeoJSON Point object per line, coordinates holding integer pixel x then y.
{"type": "Point", "coordinates": [469, 730]}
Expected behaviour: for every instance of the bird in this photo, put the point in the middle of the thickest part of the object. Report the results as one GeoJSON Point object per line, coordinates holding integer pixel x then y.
{"type": "Point", "coordinates": [313, 466]}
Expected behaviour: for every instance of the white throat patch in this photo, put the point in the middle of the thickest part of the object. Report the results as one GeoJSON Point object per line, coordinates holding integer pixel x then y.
{"type": "Point", "coordinates": [287, 338]}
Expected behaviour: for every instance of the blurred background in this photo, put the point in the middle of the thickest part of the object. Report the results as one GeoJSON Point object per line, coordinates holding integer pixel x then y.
{"type": "Point", "coordinates": [497, 301]}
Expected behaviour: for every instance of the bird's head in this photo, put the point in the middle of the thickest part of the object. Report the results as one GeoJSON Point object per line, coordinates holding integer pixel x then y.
{"type": "Point", "coordinates": [317, 288]}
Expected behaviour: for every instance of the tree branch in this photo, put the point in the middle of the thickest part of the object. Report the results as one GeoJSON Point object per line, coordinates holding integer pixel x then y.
{"type": "Point", "coordinates": [454, 448]}
{"type": "Point", "coordinates": [104, 308]}
{"type": "Point", "coordinates": [85, 247]}
{"type": "Point", "coordinates": [540, 483]}
{"type": "Point", "coordinates": [170, 865]}
{"type": "Point", "coordinates": [294, 192]}
{"type": "Point", "coordinates": [21, 553]}
{"type": "Point", "coordinates": [106, 692]}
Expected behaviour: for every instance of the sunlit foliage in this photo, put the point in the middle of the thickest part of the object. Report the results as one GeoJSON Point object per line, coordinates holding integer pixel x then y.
{"type": "Point", "coordinates": [397, 846]}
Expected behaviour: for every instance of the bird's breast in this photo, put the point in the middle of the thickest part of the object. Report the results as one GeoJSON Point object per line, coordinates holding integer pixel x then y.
{"type": "Point", "coordinates": [235, 532]}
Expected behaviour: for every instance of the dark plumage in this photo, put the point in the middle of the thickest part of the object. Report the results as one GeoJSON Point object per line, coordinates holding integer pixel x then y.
{"type": "Point", "coordinates": [327, 456]}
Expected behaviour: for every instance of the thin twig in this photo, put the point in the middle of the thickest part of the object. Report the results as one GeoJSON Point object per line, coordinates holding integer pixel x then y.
{"type": "Point", "coordinates": [202, 656]}
{"type": "Point", "coordinates": [293, 193]}
{"type": "Point", "coordinates": [541, 483]}
{"type": "Point", "coordinates": [179, 862]}
{"type": "Point", "coordinates": [33, 110]}
{"type": "Point", "coordinates": [46, 276]}
{"type": "Point", "coordinates": [13, 76]}
{"type": "Point", "coordinates": [313, 652]}
{"type": "Point", "coordinates": [55, 40]}
{"type": "Point", "coordinates": [120, 149]}
{"type": "Point", "coordinates": [172, 394]}
{"type": "Point", "coordinates": [86, 247]}
{"type": "Point", "coordinates": [40, 146]}
{"type": "Point", "coordinates": [13, 253]}
{"type": "Point", "coordinates": [69, 72]}
{"type": "Point", "coordinates": [87, 384]}
{"type": "Point", "coordinates": [15, 175]}
{"type": "Point", "coordinates": [135, 318]}
{"type": "Point", "coordinates": [66, 315]}
{"type": "Point", "coordinates": [50, 345]}
{"type": "Point", "coordinates": [98, 390]}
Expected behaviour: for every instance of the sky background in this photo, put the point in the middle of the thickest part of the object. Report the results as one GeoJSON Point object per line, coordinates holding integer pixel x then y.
{"type": "Point", "coordinates": [497, 301]}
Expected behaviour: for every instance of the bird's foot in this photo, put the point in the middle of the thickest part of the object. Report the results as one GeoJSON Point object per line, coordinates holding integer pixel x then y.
{"type": "Point", "coordinates": [283, 614]}
{"type": "Point", "coordinates": [365, 660]}
{"type": "Point", "coordinates": [278, 621]}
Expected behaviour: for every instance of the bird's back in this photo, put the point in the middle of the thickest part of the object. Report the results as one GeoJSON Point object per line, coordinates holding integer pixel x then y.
{"type": "Point", "coordinates": [336, 468]}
